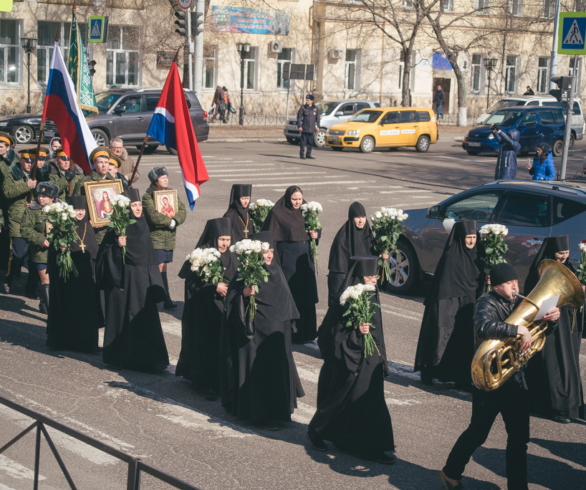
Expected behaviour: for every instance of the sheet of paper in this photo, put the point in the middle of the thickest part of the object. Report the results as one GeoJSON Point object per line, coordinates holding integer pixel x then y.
{"type": "Point", "coordinates": [547, 305]}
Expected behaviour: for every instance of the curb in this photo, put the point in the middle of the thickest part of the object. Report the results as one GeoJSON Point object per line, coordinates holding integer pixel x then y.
{"type": "Point", "coordinates": [459, 138]}
{"type": "Point", "coordinates": [245, 140]}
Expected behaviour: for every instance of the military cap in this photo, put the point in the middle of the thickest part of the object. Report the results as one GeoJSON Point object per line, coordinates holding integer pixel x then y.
{"type": "Point", "coordinates": [48, 189]}
{"type": "Point", "coordinates": [310, 97]}
{"type": "Point", "coordinates": [60, 152]}
{"type": "Point", "coordinates": [100, 151]}
{"type": "Point", "coordinates": [157, 172]}
{"type": "Point", "coordinates": [6, 138]}
{"type": "Point", "coordinates": [114, 160]}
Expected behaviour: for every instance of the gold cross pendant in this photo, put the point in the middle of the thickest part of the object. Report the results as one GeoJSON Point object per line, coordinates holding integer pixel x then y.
{"type": "Point", "coordinates": [82, 246]}
{"type": "Point", "coordinates": [245, 232]}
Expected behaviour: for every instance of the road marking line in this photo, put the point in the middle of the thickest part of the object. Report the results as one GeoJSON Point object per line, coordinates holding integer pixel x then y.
{"type": "Point", "coordinates": [254, 175]}
{"type": "Point", "coordinates": [311, 184]}
{"type": "Point", "coordinates": [412, 191]}
{"type": "Point", "coordinates": [16, 470]}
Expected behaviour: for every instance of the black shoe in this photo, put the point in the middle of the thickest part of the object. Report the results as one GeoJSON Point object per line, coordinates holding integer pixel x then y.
{"type": "Point", "coordinates": [169, 304]}
{"type": "Point", "coordinates": [302, 157]}
{"type": "Point", "coordinates": [272, 425]}
{"type": "Point", "coordinates": [98, 350]}
{"type": "Point", "coordinates": [317, 442]}
{"type": "Point", "coordinates": [426, 379]}
{"type": "Point", "coordinates": [310, 157]}
{"type": "Point", "coordinates": [43, 307]}
{"type": "Point", "coordinates": [561, 420]}
{"type": "Point", "coordinates": [381, 458]}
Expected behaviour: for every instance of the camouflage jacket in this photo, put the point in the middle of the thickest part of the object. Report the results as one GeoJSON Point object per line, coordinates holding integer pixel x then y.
{"type": "Point", "coordinates": [162, 236]}
{"type": "Point", "coordinates": [34, 230]}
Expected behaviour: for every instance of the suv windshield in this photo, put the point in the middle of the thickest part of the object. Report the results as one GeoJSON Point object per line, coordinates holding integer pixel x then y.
{"type": "Point", "coordinates": [365, 116]}
{"type": "Point", "coordinates": [326, 107]}
{"type": "Point", "coordinates": [105, 100]}
{"type": "Point", "coordinates": [503, 104]}
{"type": "Point", "coordinates": [503, 118]}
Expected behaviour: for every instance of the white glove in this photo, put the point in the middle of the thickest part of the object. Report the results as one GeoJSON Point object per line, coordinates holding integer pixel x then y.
{"type": "Point", "coordinates": [173, 224]}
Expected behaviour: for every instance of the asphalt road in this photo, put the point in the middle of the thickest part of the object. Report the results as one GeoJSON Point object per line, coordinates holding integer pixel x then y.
{"type": "Point", "coordinates": [161, 419]}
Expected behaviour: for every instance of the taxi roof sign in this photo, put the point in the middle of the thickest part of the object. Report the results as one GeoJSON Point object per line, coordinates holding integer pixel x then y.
{"type": "Point", "coordinates": [572, 31]}
{"type": "Point", "coordinates": [98, 31]}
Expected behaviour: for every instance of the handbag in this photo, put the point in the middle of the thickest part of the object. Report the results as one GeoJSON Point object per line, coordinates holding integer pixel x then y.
{"type": "Point", "coordinates": [232, 110]}
{"type": "Point", "coordinates": [211, 111]}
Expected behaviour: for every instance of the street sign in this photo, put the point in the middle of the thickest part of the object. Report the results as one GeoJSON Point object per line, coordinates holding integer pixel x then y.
{"type": "Point", "coordinates": [572, 29]}
{"type": "Point", "coordinates": [185, 4]}
{"type": "Point", "coordinates": [5, 5]}
{"type": "Point", "coordinates": [98, 31]}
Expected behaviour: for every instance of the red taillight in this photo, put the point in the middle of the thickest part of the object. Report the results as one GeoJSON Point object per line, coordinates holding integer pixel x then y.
{"type": "Point", "coordinates": [205, 116]}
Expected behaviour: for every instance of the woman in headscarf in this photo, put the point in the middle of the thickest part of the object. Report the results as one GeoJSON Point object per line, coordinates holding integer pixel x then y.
{"type": "Point", "coordinates": [293, 246]}
{"type": "Point", "coordinates": [353, 238]}
{"type": "Point", "coordinates": [133, 337]}
{"type": "Point", "coordinates": [258, 377]}
{"type": "Point", "coordinates": [74, 312]}
{"type": "Point", "coordinates": [242, 226]}
{"type": "Point", "coordinates": [351, 408]}
{"type": "Point", "coordinates": [446, 341]}
{"type": "Point", "coordinates": [553, 375]}
{"type": "Point", "coordinates": [202, 312]}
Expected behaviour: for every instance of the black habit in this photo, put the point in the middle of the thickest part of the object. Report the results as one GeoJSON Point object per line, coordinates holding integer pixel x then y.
{"type": "Point", "coordinates": [133, 337]}
{"type": "Point", "coordinates": [258, 376]}
{"type": "Point", "coordinates": [202, 314]}
{"type": "Point", "coordinates": [446, 340]}
{"type": "Point", "coordinates": [293, 246]}
{"type": "Point", "coordinates": [553, 375]}
{"type": "Point", "coordinates": [74, 311]}
{"type": "Point", "coordinates": [242, 226]}
{"type": "Point", "coordinates": [351, 408]}
{"type": "Point", "coordinates": [350, 241]}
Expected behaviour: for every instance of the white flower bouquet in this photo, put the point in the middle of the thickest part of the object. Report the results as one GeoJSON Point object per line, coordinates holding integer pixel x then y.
{"type": "Point", "coordinates": [581, 269]}
{"type": "Point", "coordinates": [310, 211]}
{"type": "Point", "coordinates": [62, 235]}
{"type": "Point", "coordinates": [387, 227]}
{"type": "Point", "coordinates": [250, 261]}
{"type": "Point", "coordinates": [205, 262]}
{"type": "Point", "coordinates": [360, 310]}
{"type": "Point", "coordinates": [120, 218]}
{"type": "Point", "coordinates": [259, 211]}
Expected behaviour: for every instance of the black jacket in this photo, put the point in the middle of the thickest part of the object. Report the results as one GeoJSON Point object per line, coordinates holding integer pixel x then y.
{"type": "Point", "coordinates": [308, 118]}
{"type": "Point", "coordinates": [439, 97]}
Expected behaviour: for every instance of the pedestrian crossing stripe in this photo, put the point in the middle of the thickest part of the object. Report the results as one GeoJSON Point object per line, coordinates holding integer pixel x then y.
{"type": "Point", "coordinates": [572, 33]}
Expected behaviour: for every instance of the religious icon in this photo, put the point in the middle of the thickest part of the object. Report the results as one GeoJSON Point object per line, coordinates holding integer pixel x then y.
{"type": "Point", "coordinates": [166, 202]}
{"type": "Point", "coordinates": [99, 199]}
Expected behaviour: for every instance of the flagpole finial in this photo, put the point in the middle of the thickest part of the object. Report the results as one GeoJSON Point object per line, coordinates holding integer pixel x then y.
{"type": "Point", "coordinates": [57, 35]}
{"type": "Point", "coordinates": [176, 55]}
{"type": "Point", "coordinates": [74, 5]}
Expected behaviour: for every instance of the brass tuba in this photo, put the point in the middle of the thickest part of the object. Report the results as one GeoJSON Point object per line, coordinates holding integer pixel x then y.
{"type": "Point", "coordinates": [496, 360]}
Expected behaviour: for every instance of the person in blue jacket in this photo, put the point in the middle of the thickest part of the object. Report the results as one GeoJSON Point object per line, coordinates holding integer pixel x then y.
{"type": "Point", "coordinates": [542, 167]}
{"type": "Point", "coordinates": [509, 147]}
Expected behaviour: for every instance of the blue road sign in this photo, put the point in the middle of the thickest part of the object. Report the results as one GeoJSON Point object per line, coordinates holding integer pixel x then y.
{"type": "Point", "coordinates": [98, 31]}
{"type": "Point", "coordinates": [572, 31]}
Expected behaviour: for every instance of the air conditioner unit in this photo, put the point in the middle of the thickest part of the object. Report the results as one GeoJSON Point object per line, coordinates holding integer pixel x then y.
{"type": "Point", "coordinates": [275, 47]}
{"type": "Point", "coordinates": [336, 53]}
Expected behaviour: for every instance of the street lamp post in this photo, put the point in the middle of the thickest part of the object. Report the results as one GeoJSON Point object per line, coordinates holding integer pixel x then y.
{"type": "Point", "coordinates": [29, 44]}
{"type": "Point", "coordinates": [242, 48]}
{"type": "Point", "coordinates": [489, 64]}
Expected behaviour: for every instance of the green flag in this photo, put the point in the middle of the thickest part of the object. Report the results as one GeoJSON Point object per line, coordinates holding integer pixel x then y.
{"type": "Point", "coordinates": [80, 71]}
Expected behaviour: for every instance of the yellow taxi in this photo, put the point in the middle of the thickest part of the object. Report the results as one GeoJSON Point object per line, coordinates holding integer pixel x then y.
{"type": "Point", "coordinates": [385, 128]}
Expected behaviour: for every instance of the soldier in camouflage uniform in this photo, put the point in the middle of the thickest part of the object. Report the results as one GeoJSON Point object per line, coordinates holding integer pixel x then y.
{"type": "Point", "coordinates": [7, 158]}
{"type": "Point", "coordinates": [34, 230]}
{"type": "Point", "coordinates": [163, 227]}
{"type": "Point", "coordinates": [62, 174]}
{"type": "Point", "coordinates": [115, 163]}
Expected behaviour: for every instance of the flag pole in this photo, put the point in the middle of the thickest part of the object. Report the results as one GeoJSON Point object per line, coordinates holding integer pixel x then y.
{"type": "Point", "coordinates": [146, 138]}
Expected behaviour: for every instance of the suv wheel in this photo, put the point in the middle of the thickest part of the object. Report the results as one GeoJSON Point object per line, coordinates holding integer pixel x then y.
{"type": "Point", "coordinates": [472, 153]}
{"type": "Point", "coordinates": [100, 137]}
{"type": "Point", "coordinates": [558, 148]}
{"type": "Point", "coordinates": [24, 134]}
{"type": "Point", "coordinates": [572, 141]}
{"type": "Point", "coordinates": [319, 138]}
{"type": "Point", "coordinates": [367, 144]}
{"type": "Point", "coordinates": [404, 270]}
{"type": "Point", "coordinates": [171, 150]}
{"type": "Point", "coordinates": [422, 144]}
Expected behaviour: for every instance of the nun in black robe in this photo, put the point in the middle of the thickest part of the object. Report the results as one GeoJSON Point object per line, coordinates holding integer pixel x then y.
{"type": "Point", "coordinates": [74, 311]}
{"type": "Point", "coordinates": [553, 374]}
{"type": "Point", "coordinates": [199, 360]}
{"type": "Point", "coordinates": [446, 340]}
{"type": "Point", "coordinates": [293, 246]}
{"type": "Point", "coordinates": [351, 408]}
{"type": "Point", "coordinates": [242, 226]}
{"type": "Point", "coordinates": [133, 337]}
{"type": "Point", "coordinates": [350, 241]}
{"type": "Point", "coordinates": [258, 376]}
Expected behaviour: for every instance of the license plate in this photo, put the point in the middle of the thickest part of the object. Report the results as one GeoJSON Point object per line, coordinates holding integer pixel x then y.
{"type": "Point", "coordinates": [49, 133]}
{"type": "Point", "coordinates": [293, 128]}
{"type": "Point", "coordinates": [474, 144]}
{"type": "Point", "coordinates": [333, 138]}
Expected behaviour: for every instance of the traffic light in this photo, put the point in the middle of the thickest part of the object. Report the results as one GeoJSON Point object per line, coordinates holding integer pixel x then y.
{"type": "Point", "coordinates": [197, 23]}
{"type": "Point", "coordinates": [92, 65]}
{"type": "Point", "coordinates": [564, 84]}
{"type": "Point", "coordinates": [180, 23]}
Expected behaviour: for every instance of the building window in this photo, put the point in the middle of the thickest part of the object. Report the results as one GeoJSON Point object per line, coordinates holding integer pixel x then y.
{"type": "Point", "coordinates": [447, 5]}
{"type": "Point", "coordinates": [209, 66]}
{"type": "Point", "coordinates": [350, 78]}
{"type": "Point", "coordinates": [548, 9]}
{"type": "Point", "coordinates": [249, 72]}
{"type": "Point", "coordinates": [516, 7]}
{"type": "Point", "coordinates": [510, 74]}
{"type": "Point", "coordinates": [542, 82]}
{"type": "Point", "coordinates": [408, 4]}
{"type": "Point", "coordinates": [122, 61]}
{"type": "Point", "coordinates": [482, 6]}
{"type": "Point", "coordinates": [46, 38]}
{"type": "Point", "coordinates": [9, 51]}
{"type": "Point", "coordinates": [571, 72]}
{"type": "Point", "coordinates": [285, 56]}
{"type": "Point", "coordinates": [475, 71]}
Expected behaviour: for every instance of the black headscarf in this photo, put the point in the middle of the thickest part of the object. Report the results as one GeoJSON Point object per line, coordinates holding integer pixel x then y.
{"type": "Point", "coordinates": [84, 230]}
{"type": "Point", "coordinates": [457, 272]}
{"type": "Point", "coordinates": [214, 229]}
{"type": "Point", "coordinates": [350, 240]}
{"type": "Point", "coordinates": [238, 191]}
{"type": "Point", "coordinates": [548, 249]}
{"type": "Point", "coordinates": [286, 223]}
{"type": "Point", "coordinates": [139, 246]}
{"type": "Point", "coordinates": [360, 266]}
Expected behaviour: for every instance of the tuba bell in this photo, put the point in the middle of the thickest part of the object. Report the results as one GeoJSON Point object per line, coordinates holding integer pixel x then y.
{"type": "Point", "coordinates": [496, 360]}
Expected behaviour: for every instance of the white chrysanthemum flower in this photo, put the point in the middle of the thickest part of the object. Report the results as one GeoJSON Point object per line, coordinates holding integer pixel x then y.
{"type": "Point", "coordinates": [378, 215]}
{"type": "Point", "coordinates": [369, 287]}
{"type": "Point", "coordinates": [63, 216]}
{"type": "Point", "coordinates": [265, 246]}
{"type": "Point", "coordinates": [47, 209]}
{"type": "Point", "coordinates": [252, 206]}
{"type": "Point", "coordinates": [582, 247]}
{"type": "Point", "coordinates": [232, 248]}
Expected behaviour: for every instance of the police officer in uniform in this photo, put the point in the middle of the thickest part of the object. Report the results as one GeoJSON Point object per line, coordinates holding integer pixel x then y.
{"type": "Point", "coordinates": [308, 124]}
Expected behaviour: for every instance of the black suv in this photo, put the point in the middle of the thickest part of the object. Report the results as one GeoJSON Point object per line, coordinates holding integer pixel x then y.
{"type": "Point", "coordinates": [127, 114]}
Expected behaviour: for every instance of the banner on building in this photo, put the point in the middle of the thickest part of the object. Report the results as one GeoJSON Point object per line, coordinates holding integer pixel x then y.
{"type": "Point", "coordinates": [251, 21]}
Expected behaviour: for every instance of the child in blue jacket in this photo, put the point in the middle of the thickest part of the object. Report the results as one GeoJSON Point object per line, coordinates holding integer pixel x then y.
{"type": "Point", "coordinates": [543, 167]}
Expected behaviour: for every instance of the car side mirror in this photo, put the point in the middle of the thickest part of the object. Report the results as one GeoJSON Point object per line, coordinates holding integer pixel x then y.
{"type": "Point", "coordinates": [433, 212]}
{"type": "Point", "coordinates": [339, 113]}
{"type": "Point", "coordinates": [120, 109]}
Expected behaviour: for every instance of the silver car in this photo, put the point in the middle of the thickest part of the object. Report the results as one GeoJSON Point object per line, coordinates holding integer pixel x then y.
{"type": "Point", "coordinates": [331, 112]}
{"type": "Point", "coordinates": [530, 210]}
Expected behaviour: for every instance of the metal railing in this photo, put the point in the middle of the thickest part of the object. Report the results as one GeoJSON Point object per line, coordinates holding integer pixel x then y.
{"type": "Point", "coordinates": [135, 465]}
{"type": "Point", "coordinates": [251, 120]}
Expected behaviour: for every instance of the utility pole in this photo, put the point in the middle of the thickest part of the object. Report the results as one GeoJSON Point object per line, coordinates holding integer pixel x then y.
{"type": "Point", "coordinates": [189, 59]}
{"type": "Point", "coordinates": [554, 49]}
{"type": "Point", "coordinates": [568, 131]}
{"type": "Point", "coordinates": [198, 29]}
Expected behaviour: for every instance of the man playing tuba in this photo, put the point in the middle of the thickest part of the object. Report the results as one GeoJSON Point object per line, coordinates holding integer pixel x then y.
{"type": "Point", "coordinates": [511, 400]}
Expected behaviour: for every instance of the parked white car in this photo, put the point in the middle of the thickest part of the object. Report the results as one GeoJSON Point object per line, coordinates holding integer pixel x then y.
{"type": "Point", "coordinates": [331, 112]}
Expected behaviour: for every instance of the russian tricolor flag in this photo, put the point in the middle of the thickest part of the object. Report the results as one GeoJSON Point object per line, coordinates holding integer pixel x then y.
{"type": "Point", "coordinates": [171, 125]}
{"type": "Point", "coordinates": [61, 107]}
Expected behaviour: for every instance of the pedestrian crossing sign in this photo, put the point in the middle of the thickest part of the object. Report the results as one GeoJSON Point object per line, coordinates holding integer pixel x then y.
{"type": "Point", "coordinates": [98, 31]}
{"type": "Point", "coordinates": [572, 33]}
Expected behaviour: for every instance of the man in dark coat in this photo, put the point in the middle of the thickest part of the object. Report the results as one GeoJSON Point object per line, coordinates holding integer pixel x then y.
{"type": "Point", "coordinates": [529, 91]}
{"type": "Point", "coordinates": [438, 100]}
{"type": "Point", "coordinates": [509, 147]}
{"type": "Point", "coordinates": [308, 123]}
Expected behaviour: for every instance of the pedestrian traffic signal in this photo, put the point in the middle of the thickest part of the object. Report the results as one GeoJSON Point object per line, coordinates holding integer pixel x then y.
{"type": "Point", "coordinates": [197, 23]}
{"type": "Point", "coordinates": [180, 23]}
{"type": "Point", "coordinates": [92, 65]}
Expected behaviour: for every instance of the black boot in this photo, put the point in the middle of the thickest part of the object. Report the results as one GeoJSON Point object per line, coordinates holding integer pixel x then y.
{"type": "Point", "coordinates": [44, 303]}
{"type": "Point", "coordinates": [168, 304]}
